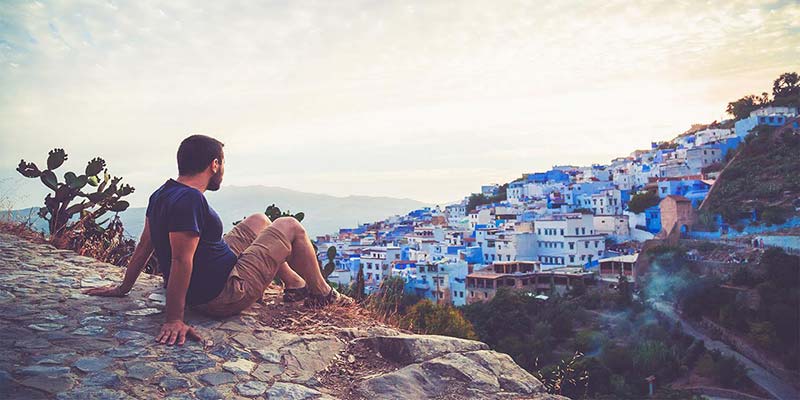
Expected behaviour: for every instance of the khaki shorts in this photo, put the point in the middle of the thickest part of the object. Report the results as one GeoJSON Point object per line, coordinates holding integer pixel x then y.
{"type": "Point", "coordinates": [259, 256]}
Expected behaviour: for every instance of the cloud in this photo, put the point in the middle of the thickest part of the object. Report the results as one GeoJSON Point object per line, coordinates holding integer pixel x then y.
{"type": "Point", "coordinates": [355, 85]}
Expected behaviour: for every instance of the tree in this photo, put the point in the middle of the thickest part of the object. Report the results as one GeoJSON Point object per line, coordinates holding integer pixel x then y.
{"type": "Point", "coordinates": [642, 201]}
{"type": "Point", "coordinates": [625, 296]}
{"type": "Point", "coordinates": [358, 290]}
{"type": "Point", "coordinates": [786, 87]}
{"type": "Point", "coordinates": [743, 107]}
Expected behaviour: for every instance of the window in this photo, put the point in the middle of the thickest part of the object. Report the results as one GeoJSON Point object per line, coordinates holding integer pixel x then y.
{"type": "Point", "coordinates": [586, 244]}
{"type": "Point", "coordinates": [572, 245]}
{"type": "Point", "coordinates": [562, 231]}
{"type": "Point", "coordinates": [571, 259]}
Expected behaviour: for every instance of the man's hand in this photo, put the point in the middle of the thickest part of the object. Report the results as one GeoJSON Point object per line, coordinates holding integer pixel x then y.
{"type": "Point", "coordinates": [176, 330]}
{"type": "Point", "coordinates": [106, 291]}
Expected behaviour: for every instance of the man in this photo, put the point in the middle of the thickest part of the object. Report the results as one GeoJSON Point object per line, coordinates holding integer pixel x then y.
{"type": "Point", "coordinates": [218, 276]}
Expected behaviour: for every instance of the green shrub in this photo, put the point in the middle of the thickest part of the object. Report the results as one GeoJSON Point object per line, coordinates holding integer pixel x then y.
{"type": "Point", "coordinates": [429, 318]}
{"type": "Point", "coordinates": [642, 201]}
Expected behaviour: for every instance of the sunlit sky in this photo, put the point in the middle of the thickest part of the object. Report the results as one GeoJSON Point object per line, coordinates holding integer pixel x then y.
{"type": "Point", "coordinates": [419, 99]}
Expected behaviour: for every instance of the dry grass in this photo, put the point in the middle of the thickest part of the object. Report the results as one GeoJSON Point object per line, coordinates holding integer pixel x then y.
{"type": "Point", "coordinates": [21, 229]}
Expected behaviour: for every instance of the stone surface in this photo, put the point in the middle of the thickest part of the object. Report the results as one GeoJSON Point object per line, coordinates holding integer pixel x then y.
{"type": "Point", "coordinates": [58, 343]}
{"type": "Point", "coordinates": [239, 366]}
{"type": "Point", "coordinates": [140, 370]}
{"type": "Point", "coordinates": [208, 393]}
{"type": "Point", "coordinates": [477, 374]}
{"type": "Point", "coordinates": [291, 391]}
{"type": "Point", "coordinates": [218, 378]}
{"type": "Point", "coordinates": [92, 364]}
{"type": "Point", "coordinates": [170, 383]}
{"type": "Point", "coordinates": [408, 349]}
{"type": "Point", "coordinates": [251, 388]}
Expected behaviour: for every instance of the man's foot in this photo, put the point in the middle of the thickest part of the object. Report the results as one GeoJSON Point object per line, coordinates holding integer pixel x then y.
{"type": "Point", "coordinates": [332, 298]}
{"type": "Point", "coordinates": [295, 294]}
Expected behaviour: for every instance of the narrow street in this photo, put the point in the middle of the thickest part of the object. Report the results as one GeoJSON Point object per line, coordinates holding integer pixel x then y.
{"type": "Point", "coordinates": [769, 382]}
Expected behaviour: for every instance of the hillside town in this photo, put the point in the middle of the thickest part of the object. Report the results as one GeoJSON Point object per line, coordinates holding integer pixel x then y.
{"type": "Point", "coordinates": [548, 230]}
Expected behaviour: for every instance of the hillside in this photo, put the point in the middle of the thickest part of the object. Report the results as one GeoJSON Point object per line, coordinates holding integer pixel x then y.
{"type": "Point", "coordinates": [323, 213]}
{"type": "Point", "coordinates": [762, 177]}
{"type": "Point", "coordinates": [58, 342]}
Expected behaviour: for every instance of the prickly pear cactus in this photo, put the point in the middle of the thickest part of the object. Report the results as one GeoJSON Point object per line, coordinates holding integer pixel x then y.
{"type": "Point", "coordinates": [58, 207]}
{"type": "Point", "coordinates": [330, 266]}
{"type": "Point", "coordinates": [273, 213]}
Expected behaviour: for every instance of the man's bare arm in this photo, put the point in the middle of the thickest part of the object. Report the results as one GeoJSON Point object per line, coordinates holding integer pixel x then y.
{"type": "Point", "coordinates": [183, 245]}
{"type": "Point", "coordinates": [137, 263]}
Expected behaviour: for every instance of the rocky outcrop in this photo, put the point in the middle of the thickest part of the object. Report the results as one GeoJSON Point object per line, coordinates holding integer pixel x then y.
{"type": "Point", "coordinates": [58, 343]}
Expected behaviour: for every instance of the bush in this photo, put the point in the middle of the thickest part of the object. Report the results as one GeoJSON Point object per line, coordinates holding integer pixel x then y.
{"type": "Point", "coordinates": [587, 341]}
{"type": "Point", "coordinates": [390, 301]}
{"type": "Point", "coordinates": [429, 318]}
{"type": "Point", "coordinates": [618, 359]}
{"type": "Point", "coordinates": [775, 215]}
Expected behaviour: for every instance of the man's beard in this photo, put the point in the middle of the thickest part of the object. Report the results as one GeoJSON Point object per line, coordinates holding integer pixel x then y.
{"type": "Point", "coordinates": [215, 181]}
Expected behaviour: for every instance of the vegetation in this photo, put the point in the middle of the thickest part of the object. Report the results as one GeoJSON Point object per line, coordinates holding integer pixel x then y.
{"type": "Point", "coordinates": [392, 304]}
{"type": "Point", "coordinates": [437, 319]}
{"type": "Point", "coordinates": [273, 212]}
{"type": "Point", "coordinates": [642, 201]}
{"type": "Point", "coordinates": [575, 353]}
{"type": "Point", "coordinates": [762, 178]}
{"type": "Point", "coordinates": [772, 323]}
{"type": "Point", "coordinates": [785, 92]}
{"type": "Point", "coordinates": [58, 207]}
{"type": "Point", "coordinates": [479, 199]}
{"type": "Point", "coordinates": [78, 225]}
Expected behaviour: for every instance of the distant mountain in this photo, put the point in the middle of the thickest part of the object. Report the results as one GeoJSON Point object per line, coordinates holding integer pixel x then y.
{"type": "Point", "coordinates": [323, 213]}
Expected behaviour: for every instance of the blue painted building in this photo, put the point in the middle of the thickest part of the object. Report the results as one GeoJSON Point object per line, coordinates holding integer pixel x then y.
{"type": "Point", "coordinates": [652, 217]}
{"type": "Point", "coordinates": [694, 190]}
{"type": "Point", "coordinates": [770, 116]}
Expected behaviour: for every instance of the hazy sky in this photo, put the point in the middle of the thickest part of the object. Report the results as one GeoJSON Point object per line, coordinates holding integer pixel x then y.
{"type": "Point", "coordinates": [421, 99]}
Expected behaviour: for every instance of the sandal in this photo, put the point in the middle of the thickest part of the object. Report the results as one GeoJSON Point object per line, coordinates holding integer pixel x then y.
{"type": "Point", "coordinates": [333, 297]}
{"type": "Point", "coordinates": [296, 294]}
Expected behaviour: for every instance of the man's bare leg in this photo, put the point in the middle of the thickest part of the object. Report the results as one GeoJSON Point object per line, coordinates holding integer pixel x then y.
{"type": "Point", "coordinates": [302, 259]}
{"type": "Point", "coordinates": [290, 279]}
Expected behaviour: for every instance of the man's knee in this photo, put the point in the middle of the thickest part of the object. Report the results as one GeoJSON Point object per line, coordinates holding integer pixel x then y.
{"type": "Point", "coordinates": [257, 221]}
{"type": "Point", "coordinates": [290, 227]}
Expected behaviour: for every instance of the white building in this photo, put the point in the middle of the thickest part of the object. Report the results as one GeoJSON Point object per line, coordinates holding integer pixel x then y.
{"type": "Point", "coordinates": [377, 262]}
{"type": "Point", "coordinates": [774, 116]}
{"type": "Point", "coordinates": [701, 157]}
{"type": "Point", "coordinates": [479, 217]}
{"type": "Point", "coordinates": [613, 225]}
{"type": "Point", "coordinates": [561, 240]}
{"type": "Point", "coordinates": [707, 136]}
{"type": "Point", "coordinates": [455, 213]}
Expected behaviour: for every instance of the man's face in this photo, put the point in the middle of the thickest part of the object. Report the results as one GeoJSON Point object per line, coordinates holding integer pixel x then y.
{"type": "Point", "coordinates": [215, 181]}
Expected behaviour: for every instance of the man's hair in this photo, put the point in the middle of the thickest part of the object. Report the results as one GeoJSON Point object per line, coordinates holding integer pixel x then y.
{"type": "Point", "coordinates": [196, 152]}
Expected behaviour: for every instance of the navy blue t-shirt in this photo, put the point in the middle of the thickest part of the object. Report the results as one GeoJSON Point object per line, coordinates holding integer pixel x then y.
{"type": "Point", "coordinates": [175, 207]}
